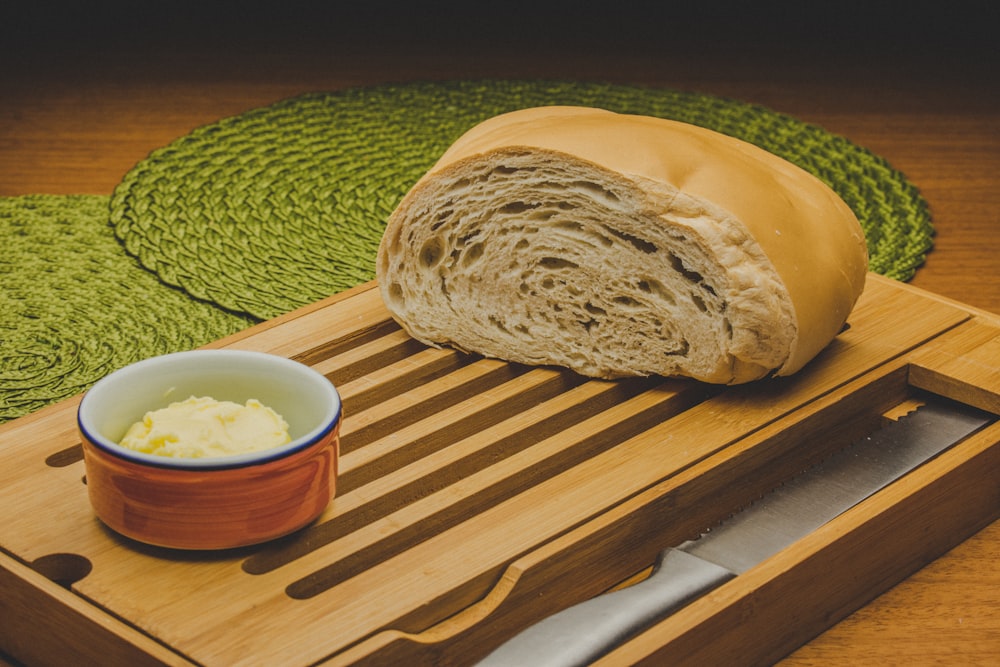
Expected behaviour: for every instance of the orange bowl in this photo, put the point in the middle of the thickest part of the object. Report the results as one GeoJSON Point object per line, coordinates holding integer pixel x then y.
{"type": "Point", "coordinates": [213, 502]}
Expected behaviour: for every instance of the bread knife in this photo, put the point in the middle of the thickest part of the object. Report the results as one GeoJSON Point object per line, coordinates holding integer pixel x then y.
{"type": "Point", "coordinates": [582, 633]}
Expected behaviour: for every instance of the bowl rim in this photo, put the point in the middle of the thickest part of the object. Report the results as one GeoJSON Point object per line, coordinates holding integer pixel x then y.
{"type": "Point", "coordinates": [330, 422]}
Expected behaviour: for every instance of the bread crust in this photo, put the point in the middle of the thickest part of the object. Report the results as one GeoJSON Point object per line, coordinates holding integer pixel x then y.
{"type": "Point", "coordinates": [774, 250]}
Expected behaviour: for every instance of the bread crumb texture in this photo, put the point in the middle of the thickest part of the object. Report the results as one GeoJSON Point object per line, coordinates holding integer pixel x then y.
{"type": "Point", "coordinates": [547, 255]}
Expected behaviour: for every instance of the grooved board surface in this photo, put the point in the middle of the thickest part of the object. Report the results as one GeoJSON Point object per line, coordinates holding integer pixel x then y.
{"type": "Point", "coordinates": [453, 469]}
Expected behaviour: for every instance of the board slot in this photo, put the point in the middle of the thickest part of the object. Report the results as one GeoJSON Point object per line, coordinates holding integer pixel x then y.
{"type": "Point", "coordinates": [546, 495]}
{"type": "Point", "coordinates": [356, 362]}
{"type": "Point", "coordinates": [65, 457]}
{"type": "Point", "coordinates": [593, 556]}
{"type": "Point", "coordinates": [379, 421]}
{"type": "Point", "coordinates": [439, 428]}
{"type": "Point", "coordinates": [393, 490]}
{"type": "Point", "coordinates": [367, 331]}
{"type": "Point", "coordinates": [382, 384]}
{"type": "Point", "coordinates": [460, 491]}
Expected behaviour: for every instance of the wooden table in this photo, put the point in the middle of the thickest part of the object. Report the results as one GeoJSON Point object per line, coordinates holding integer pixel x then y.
{"type": "Point", "coordinates": [83, 100]}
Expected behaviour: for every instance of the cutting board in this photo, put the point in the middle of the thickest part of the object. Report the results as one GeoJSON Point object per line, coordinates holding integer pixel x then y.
{"type": "Point", "coordinates": [477, 497]}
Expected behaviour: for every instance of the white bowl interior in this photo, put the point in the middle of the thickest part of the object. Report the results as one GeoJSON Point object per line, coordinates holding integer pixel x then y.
{"type": "Point", "coordinates": [304, 397]}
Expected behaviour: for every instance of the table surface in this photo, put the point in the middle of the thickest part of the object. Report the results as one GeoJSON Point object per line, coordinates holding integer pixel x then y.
{"type": "Point", "coordinates": [82, 101]}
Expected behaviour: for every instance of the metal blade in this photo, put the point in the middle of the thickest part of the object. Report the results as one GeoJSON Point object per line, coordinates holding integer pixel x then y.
{"type": "Point", "coordinates": [580, 634]}
{"type": "Point", "coordinates": [833, 486]}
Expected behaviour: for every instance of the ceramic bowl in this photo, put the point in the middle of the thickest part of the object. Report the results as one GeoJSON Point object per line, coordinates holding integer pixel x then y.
{"type": "Point", "coordinates": [214, 502]}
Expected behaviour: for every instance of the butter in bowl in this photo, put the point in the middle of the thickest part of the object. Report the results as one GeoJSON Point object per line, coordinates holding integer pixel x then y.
{"type": "Point", "coordinates": [210, 449]}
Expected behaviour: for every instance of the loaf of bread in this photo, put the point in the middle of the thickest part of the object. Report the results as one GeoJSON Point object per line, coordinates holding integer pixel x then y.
{"type": "Point", "coordinates": [620, 245]}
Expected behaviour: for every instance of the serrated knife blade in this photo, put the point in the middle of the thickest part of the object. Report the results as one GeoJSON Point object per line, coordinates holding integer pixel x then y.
{"type": "Point", "coordinates": [582, 633]}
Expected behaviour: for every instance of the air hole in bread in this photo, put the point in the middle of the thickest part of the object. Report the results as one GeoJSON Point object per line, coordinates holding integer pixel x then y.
{"type": "Point", "coordinates": [640, 244]}
{"type": "Point", "coordinates": [517, 207]}
{"type": "Point", "coordinates": [441, 218]}
{"type": "Point", "coordinates": [498, 323]}
{"type": "Point", "coordinates": [571, 226]}
{"type": "Point", "coordinates": [431, 252]}
{"type": "Point", "coordinates": [395, 293]}
{"type": "Point", "coordinates": [627, 302]}
{"type": "Point", "coordinates": [542, 214]}
{"type": "Point", "coordinates": [471, 255]}
{"type": "Point", "coordinates": [597, 191]}
{"type": "Point", "coordinates": [555, 263]}
{"type": "Point", "coordinates": [577, 231]}
{"type": "Point", "coordinates": [464, 239]}
{"type": "Point", "coordinates": [656, 289]}
{"type": "Point", "coordinates": [678, 265]}
{"type": "Point", "coordinates": [460, 184]}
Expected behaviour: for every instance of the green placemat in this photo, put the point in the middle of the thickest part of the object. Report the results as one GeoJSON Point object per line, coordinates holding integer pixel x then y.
{"type": "Point", "coordinates": [283, 205]}
{"type": "Point", "coordinates": [75, 306]}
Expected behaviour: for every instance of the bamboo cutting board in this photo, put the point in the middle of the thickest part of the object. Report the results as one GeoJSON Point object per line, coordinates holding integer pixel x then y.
{"type": "Point", "coordinates": [477, 496]}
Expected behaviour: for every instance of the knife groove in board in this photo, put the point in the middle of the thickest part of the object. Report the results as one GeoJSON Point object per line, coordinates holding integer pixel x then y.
{"type": "Point", "coordinates": [582, 633]}
{"type": "Point", "coordinates": [474, 473]}
{"type": "Point", "coordinates": [834, 485]}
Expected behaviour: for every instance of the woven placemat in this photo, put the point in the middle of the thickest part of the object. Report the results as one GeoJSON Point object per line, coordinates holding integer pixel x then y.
{"type": "Point", "coordinates": [75, 306]}
{"type": "Point", "coordinates": [283, 205]}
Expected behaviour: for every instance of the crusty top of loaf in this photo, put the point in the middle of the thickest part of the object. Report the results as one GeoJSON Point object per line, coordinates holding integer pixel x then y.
{"type": "Point", "coordinates": [810, 235]}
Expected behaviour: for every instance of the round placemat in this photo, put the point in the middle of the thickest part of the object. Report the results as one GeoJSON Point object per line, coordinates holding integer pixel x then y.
{"type": "Point", "coordinates": [74, 306]}
{"type": "Point", "coordinates": [283, 205]}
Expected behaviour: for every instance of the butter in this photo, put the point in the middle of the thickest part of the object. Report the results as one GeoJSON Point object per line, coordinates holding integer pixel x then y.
{"type": "Point", "coordinates": [204, 427]}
